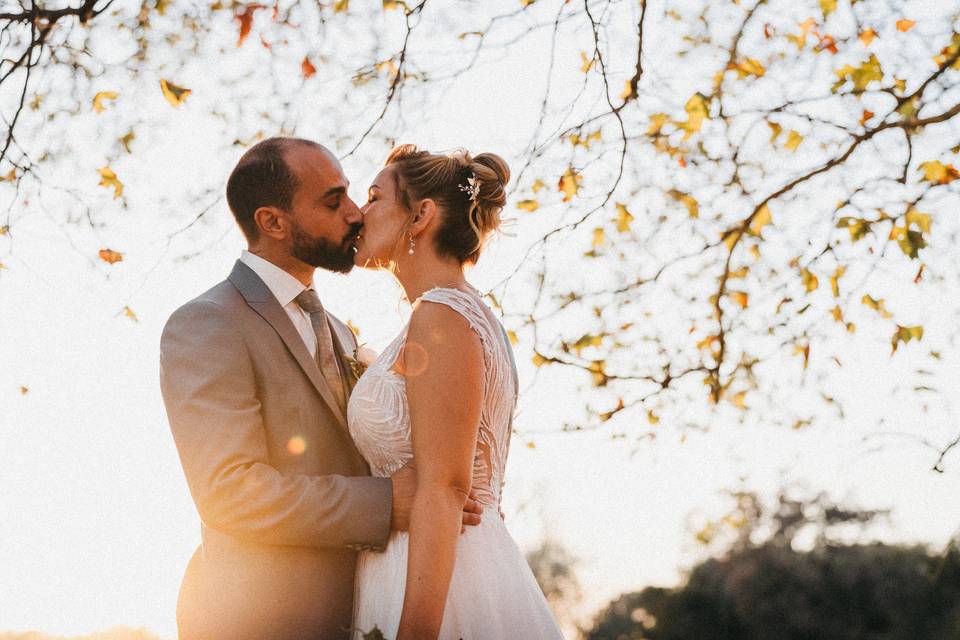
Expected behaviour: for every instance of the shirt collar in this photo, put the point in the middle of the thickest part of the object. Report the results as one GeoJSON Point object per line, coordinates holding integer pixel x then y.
{"type": "Point", "coordinates": [282, 285]}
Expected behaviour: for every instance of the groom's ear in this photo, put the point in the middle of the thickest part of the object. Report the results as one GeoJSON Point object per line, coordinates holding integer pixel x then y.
{"type": "Point", "coordinates": [271, 221]}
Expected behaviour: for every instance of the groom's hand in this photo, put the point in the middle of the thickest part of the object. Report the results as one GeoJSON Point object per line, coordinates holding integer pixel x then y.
{"type": "Point", "coordinates": [405, 487]}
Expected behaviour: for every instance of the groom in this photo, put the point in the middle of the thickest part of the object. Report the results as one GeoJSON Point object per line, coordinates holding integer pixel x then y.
{"type": "Point", "coordinates": [255, 377]}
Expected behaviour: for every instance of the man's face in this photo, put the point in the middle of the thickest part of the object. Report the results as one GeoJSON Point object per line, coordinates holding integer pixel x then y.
{"type": "Point", "coordinates": [324, 220]}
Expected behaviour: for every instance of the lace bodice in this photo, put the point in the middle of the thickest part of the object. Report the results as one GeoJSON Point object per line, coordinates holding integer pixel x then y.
{"type": "Point", "coordinates": [379, 415]}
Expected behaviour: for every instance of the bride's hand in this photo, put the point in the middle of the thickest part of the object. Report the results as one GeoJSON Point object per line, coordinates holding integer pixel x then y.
{"type": "Point", "coordinates": [472, 510]}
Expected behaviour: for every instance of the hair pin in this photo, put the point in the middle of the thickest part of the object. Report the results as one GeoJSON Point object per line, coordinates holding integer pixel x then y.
{"type": "Point", "coordinates": [472, 187]}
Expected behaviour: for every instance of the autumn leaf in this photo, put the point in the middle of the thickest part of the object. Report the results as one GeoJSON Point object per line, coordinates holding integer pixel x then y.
{"type": "Point", "coordinates": [748, 67]}
{"type": "Point", "coordinates": [867, 114]}
{"type": "Point", "coordinates": [693, 207]}
{"type": "Point", "coordinates": [100, 97]}
{"type": "Point", "coordinates": [652, 418]}
{"type": "Point", "coordinates": [539, 360]}
{"type": "Point", "coordinates": [793, 140]}
{"type": "Point", "coordinates": [657, 121]}
{"type": "Point", "coordinates": [810, 281]}
{"type": "Point", "coordinates": [835, 280]}
{"type": "Point", "coordinates": [730, 238]}
{"type": "Point", "coordinates": [110, 256]}
{"type": "Point", "coordinates": [245, 18]}
{"type": "Point", "coordinates": [128, 313]}
{"type": "Point", "coordinates": [906, 334]}
{"type": "Point", "coordinates": [949, 52]}
{"type": "Point", "coordinates": [857, 227]}
{"type": "Point", "coordinates": [570, 183]}
{"type": "Point", "coordinates": [175, 95]}
{"type": "Point", "coordinates": [759, 221]}
{"type": "Point", "coordinates": [739, 399]}
{"type": "Point", "coordinates": [512, 336]}
{"type": "Point", "coordinates": [537, 185]}
{"type": "Point", "coordinates": [905, 25]}
{"type": "Point", "coordinates": [10, 177]}
{"type": "Point", "coordinates": [306, 68]}
{"type": "Point", "coordinates": [598, 373]}
{"type": "Point", "coordinates": [801, 39]}
{"type": "Point", "coordinates": [877, 305]}
{"type": "Point", "coordinates": [109, 179]}
{"type": "Point", "coordinates": [938, 173]}
{"type": "Point", "coordinates": [910, 240]}
{"type": "Point", "coordinates": [341, 5]}
{"type": "Point", "coordinates": [24, 390]}
{"type": "Point", "coordinates": [587, 62]}
{"type": "Point", "coordinates": [127, 138]}
{"type": "Point", "coordinates": [828, 7]}
{"type": "Point", "coordinates": [775, 131]}
{"type": "Point", "coordinates": [599, 238]}
{"type": "Point", "coordinates": [861, 76]}
{"type": "Point", "coordinates": [867, 36]}
{"type": "Point", "coordinates": [628, 91]}
{"type": "Point", "coordinates": [624, 218]}
{"type": "Point", "coordinates": [837, 313]}
{"type": "Point", "coordinates": [528, 205]}
{"type": "Point", "coordinates": [4, 230]}
{"type": "Point", "coordinates": [697, 112]}
{"type": "Point", "coordinates": [741, 298]}
{"type": "Point", "coordinates": [389, 5]}
{"type": "Point", "coordinates": [804, 350]}
{"type": "Point", "coordinates": [921, 220]}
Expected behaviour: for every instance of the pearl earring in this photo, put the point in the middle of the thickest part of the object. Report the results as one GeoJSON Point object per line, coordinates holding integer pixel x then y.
{"type": "Point", "coordinates": [410, 250]}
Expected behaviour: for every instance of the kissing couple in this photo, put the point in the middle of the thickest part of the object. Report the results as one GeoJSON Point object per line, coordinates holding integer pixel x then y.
{"type": "Point", "coordinates": [335, 501]}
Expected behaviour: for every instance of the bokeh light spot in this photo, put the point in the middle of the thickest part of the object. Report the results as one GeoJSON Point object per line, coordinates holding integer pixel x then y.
{"type": "Point", "coordinates": [296, 445]}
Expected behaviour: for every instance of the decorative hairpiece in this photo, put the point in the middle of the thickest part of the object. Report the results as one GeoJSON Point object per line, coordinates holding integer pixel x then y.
{"type": "Point", "coordinates": [472, 187]}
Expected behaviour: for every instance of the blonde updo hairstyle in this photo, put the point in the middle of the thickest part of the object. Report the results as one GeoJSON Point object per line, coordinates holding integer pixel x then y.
{"type": "Point", "coordinates": [465, 223]}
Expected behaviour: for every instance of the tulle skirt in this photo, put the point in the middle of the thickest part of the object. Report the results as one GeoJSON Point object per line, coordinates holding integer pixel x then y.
{"type": "Point", "coordinates": [493, 593]}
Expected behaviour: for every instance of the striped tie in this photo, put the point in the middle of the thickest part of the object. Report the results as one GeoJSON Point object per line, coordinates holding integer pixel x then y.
{"type": "Point", "coordinates": [309, 301]}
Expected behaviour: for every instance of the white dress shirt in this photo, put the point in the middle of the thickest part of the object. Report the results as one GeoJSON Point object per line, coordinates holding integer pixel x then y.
{"type": "Point", "coordinates": [284, 288]}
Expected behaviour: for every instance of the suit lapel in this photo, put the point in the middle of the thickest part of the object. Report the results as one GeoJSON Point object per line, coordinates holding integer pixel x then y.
{"type": "Point", "coordinates": [261, 300]}
{"type": "Point", "coordinates": [346, 372]}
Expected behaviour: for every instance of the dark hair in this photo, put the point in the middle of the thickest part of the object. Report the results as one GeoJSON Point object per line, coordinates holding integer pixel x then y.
{"type": "Point", "coordinates": [262, 178]}
{"type": "Point", "coordinates": [466, 221]}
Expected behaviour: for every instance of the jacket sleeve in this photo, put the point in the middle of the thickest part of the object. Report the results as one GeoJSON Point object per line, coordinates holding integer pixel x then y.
{"type": "Point", "coordinates": [209, 389]}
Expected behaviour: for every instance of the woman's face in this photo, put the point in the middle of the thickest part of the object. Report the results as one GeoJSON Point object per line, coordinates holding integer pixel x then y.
{"type": "Point", "coordinates": [384, 224]}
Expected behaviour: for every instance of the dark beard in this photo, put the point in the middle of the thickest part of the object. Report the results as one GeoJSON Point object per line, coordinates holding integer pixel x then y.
{"type": "Point", "coordinates": [320, 252]}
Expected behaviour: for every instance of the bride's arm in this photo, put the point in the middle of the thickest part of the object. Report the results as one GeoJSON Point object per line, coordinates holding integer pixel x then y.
{"type": "Point", "coordinates": [443, 367]}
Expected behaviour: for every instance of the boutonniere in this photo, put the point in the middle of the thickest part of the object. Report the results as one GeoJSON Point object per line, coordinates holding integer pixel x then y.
{"type": "Point", "coordinates": [359, 361]}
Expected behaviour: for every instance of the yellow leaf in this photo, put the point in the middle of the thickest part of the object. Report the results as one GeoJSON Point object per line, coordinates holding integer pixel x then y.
{"type": "Point", "coordinates": [760, 220]}
{"type": "Point", "coordinates": [24, 390]}
{"type": "Point", "coordinates": [354, 328]}
{"type": "Point", "coordinates": [922, 220]}
{"type": "Point", "coordinates": [531, 445]}
{"type": "Point", "coordinates": [341, 5]}
{"type": "Point", "coordinates": [127, 139]}
{"type": "Point", "coordinates": [837, 314]}
{"type": "Point", "coordinates": [4, 230]}
{"type": "Point", "coordinates": [741, 298]}
{"type": "Point", "coordinates": [652, 418]}
{"type": "Point", "coordinates": [810, 281]}
{"type": "Point", "coordinates": [128, 313]}
{"type": "Point", "coordinates": [876, 305]}
{"type": "Point", "coordinates": [793, 140]}
{"type": "Point", "coordinates": [730, 238]}
{"type": "Point", "coordinates": [657, 121]}
{"type": "Point", "coordinates": [835, 280]}
{"type": "Point", "coordinates": [628, 91]}
{"type": "Point", "coordinates": [99, 98]}
{"type": "Point", "coordinates": [527, 3]}
{"type": "Point", "coordinates": [775, 131]}
{"type": "Point", "coordinates": [905, 25]}
{"type": "Point", "coordinates": [740, 399]}
{"type": "Point", "coordinates": [938, 173]}
{"type": "Point", "coordinates": [707, 342]}
{"type": "Point", "coordinates": [528, 205]}
{"type": "Point", "coordinates": [587, 63]}
{"type": "Point", "coordinates": [739, 274]}
{"type": "Point", "coordinates": [10, 177]}
{"type": "Point", "coordinates": [697, 112]}
{"type": "Point", "coordinates": [867, 36]}
{"type": "Point", "coordinates": [539, 360]}
{"type": "Point", "coordinates": [512, 335]}
{"type": "Point", "coordinates": [537, 185]}
{"type": "Point", "coordinates": [748, 67]}
{"type": "Point", "coordinates": [693, 207]}
{"type": "Point", "coordinates": [570, 183]}
{"type": "Point", "coordinates": [109, 179]}
{"type": "Point", "coordinates": [804, 350]}
{"type": "Point", "coordinates": [906, 334]}
{"type": "Point", "coordinates": [110, 256]}
{"type": "Point", "coordinates": [861, 76]}
{"type": "Point", "coordinates": [828, 7]}
{"type": "Point", "coordinates": [394, 4]}
{"type": "Point", "coordinates": [175, 95]}
{"type": "Point", "coordinates": [599, 238]}
{"type": "Point", "coordinates": [624, 218]}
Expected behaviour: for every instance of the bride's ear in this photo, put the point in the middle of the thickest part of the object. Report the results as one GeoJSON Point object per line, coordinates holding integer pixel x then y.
{"type": "Point", "coordinates": [423, 217]}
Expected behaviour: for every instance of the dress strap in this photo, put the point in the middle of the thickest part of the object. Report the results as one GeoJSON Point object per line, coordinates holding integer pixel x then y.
{"type": "Point", "coordinates": [466, 304]}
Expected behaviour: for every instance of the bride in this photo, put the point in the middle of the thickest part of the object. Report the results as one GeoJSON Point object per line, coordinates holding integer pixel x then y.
{"type": "Point", "coordinates": [441, 394]}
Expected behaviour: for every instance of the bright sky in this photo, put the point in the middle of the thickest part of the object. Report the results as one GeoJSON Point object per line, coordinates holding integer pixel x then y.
{"type": "Point", "coordinates": [96, 524]}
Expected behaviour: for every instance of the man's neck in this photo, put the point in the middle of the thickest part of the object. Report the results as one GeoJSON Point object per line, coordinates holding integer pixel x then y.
{"type": "Point", "coordinates": [297, 268]}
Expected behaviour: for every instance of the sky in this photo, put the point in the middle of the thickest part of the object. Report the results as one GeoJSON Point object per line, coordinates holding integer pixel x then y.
{"type": "Point", "coordinates": [97, 525]}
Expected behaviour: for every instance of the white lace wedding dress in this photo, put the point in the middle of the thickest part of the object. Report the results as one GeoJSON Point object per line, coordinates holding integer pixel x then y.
{"type": "Point", "coordinates": [493, 593]}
